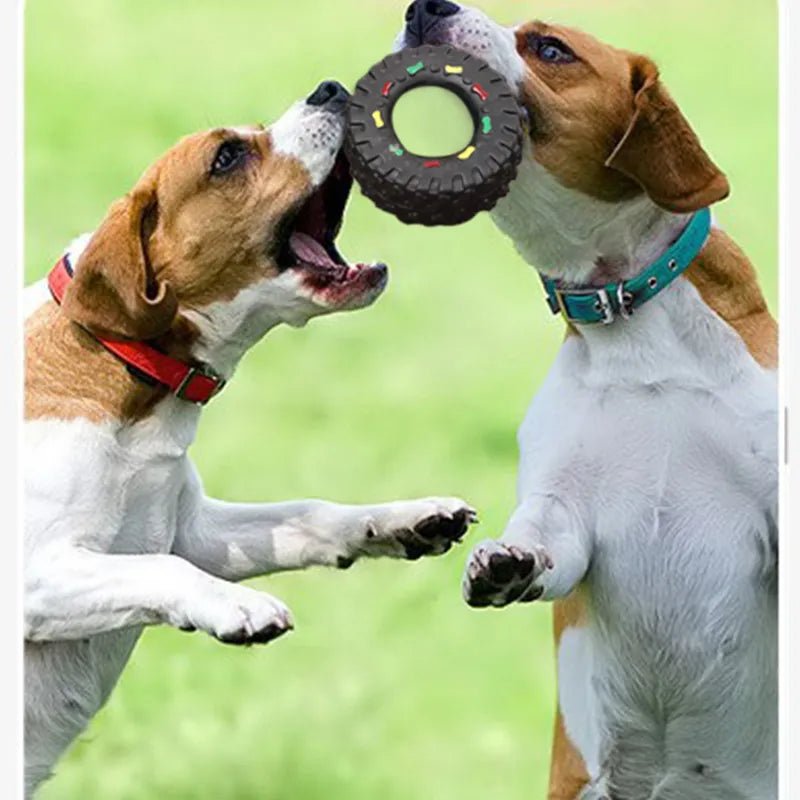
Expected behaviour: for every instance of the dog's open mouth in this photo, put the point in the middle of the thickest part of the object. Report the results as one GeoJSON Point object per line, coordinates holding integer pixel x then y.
{"type": "Point", "coordinates": [309, 241]}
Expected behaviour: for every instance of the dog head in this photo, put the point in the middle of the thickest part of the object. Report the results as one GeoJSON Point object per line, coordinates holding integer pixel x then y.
{"type": "Point", "coordinates": [606, 139]}
{"type": "Point", "coordinates": [233, 229]}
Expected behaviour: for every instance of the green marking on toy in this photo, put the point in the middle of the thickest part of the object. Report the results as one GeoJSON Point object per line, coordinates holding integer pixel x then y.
{"type": "Point", "coordinates": [487, 124]}
{"type": "Point", "coordinates": [396, 149]}
{"type": "Point", "coordinates": [415, 68]}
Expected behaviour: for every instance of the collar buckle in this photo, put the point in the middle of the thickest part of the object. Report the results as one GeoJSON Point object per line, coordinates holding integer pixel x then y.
{"type": "Point", "coordinates": [624, 301]}
{"type": "Point", "coordinates": [602, 304]}
{"type": "Point", "coordinates": [193, 372]}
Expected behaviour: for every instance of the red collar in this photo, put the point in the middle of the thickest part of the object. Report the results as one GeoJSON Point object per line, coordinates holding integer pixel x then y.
{"type": "Point", "coordinates": [195, 384]}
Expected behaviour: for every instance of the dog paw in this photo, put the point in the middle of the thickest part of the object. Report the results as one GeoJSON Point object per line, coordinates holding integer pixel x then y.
{"type": "Point", "coordinates": [419, 528]}
{"type": "Point", "coordinates": [437, 528]}
{"type": "Point", "coordinates": [240, 615]}
{"type": "Point", "coordinates": [497, 574]}
{"type": "Point", "coordinates": [436, 533]}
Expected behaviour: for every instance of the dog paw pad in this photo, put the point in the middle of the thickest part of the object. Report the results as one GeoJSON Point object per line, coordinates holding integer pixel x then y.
{"type": "Point", "coordinates": [498, 574]}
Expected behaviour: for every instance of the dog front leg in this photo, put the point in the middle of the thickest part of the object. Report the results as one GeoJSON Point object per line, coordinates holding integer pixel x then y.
{"type": "Point", "coordinates": [543, 553]}
{"type": "Point", "coordinates": [73, 593]}
{"type": "Point", "coordinates": [237, 541]}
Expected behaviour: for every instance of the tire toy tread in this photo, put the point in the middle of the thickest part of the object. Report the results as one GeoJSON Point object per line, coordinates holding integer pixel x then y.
{"type": "Point", "coordinates": [442, 190]}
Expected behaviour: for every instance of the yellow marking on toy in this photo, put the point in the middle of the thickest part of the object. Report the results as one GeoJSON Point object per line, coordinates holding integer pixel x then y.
{"type": "Point", "coordinates": [376, 115]}
{"type": "Point", "coordinates": [465, 154]}
{"type": "Point", "coordinates": [453, 70]}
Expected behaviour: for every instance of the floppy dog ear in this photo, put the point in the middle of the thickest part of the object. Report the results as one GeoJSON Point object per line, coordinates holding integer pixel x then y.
{"type": "Point", "coordinates": [115, 292]}
{"type": "Point", "coordinates": [661, 152]}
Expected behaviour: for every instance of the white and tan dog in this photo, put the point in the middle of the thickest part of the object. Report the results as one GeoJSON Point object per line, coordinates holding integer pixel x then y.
{"type": "Point", "coordinates": [648, 479]}
{"type": "Point", "coordinates": [227, 235]}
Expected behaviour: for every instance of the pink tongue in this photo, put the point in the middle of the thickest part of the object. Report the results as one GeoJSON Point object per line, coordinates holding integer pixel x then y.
{"type": "Point", "coordinates": [308, 249]}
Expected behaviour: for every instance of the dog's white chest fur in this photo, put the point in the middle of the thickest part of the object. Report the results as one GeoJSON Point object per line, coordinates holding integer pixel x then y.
{"type": "Point", "coordinates": [659, 434]}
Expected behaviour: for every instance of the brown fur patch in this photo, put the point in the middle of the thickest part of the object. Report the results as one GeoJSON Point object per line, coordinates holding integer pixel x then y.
{"type": "Point", "coordinates": [568, 774]}
{"type": "Point", "coordinates": [69, 374]}
{"type": "Point", "coordinates": [728, 284]}
{"type": "Point", "coordinates": [115, 293]}
{"type": "Point", "coordinates": [661, 152]}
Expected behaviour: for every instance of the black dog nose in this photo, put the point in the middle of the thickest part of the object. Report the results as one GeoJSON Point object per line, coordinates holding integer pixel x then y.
{"type": "Point", "coordinates": [422, 14]}
{"type": "Point", "coordinates": [328, 93]}
{"type": "Point", "coordinates": [431, 8]}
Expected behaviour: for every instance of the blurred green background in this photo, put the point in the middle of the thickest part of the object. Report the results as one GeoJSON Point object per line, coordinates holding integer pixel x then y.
{"type": "Point", "coordinates": [390, 687]}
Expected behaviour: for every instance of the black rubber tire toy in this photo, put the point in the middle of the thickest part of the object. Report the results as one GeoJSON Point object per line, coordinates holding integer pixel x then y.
{"type": "Point", "coordinates": [445, 190]}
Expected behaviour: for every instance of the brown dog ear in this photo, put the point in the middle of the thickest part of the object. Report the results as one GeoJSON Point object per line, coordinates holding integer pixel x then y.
{"type": "Point", "coordinates": [661, 152]}
{"type": "Point", "coordinates": [115, 292]}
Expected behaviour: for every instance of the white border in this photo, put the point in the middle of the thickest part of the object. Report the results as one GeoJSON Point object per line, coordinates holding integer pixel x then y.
{"type": "Point", "coordinates": [11, 222]}
{"type": "Point", "coordinates": [789, 595]}
{"type": "Point", "coordinates": [11, 230]}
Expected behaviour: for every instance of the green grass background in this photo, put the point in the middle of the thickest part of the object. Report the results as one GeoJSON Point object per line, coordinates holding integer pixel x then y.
{"type": "Point", "coordinates": [390, 687]}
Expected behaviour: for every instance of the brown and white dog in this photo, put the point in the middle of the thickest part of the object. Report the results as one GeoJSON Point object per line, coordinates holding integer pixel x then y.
{"type": "Point", "coordinates": [648, 481]}
{"type": "Point", "coordinates": [224, 237]}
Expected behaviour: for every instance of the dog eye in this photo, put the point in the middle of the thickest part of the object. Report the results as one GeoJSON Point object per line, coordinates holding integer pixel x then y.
{"type": "Point", "coordinates": [229, 155]}
{"type": "Point", "coordinates": [551, 50]}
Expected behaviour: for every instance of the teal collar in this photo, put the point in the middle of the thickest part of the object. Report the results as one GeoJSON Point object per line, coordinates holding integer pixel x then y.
{"type": "Point", "coordinates": [588, 305]}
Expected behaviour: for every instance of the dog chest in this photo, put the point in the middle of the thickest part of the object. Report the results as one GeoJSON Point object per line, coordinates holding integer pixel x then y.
{"type": "Point", "coordinates": [98, 491]}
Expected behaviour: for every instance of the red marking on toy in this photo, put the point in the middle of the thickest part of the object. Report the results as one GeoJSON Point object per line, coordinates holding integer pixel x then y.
{"type": "Point", "coordinates": [480, 91]}
{"type": "Point", "coordinates": [432, 164]}
{"type": "Point", "coordinates": [386, 87]}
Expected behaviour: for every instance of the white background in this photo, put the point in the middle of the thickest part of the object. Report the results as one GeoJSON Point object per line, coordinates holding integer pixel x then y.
{"type": "Point", "coordinates": [10, 396]}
